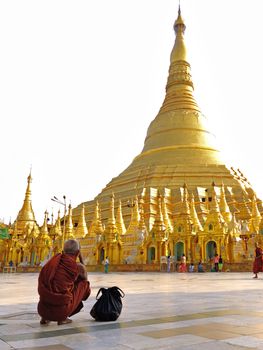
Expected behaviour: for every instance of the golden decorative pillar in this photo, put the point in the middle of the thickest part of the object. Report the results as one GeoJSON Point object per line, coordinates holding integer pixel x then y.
{"type": "Point", "coordinates": [255, 217]}
{"type": "Point", "coordinates": [81, 230]}
{"type": "Point", "coordinates": [69, 229]}
{"type": "Point", "coordinates": [43, 242]}
{"type": "Point", "coordinates": [111, 236]}
{"type": "Point", "coordinates": [96, 228]}
{"type": "Point", "coordinates": [224, 208]}
{"type": "Point", "coordinates": [158, 231]}
{"type": "Point", "coordinates": [56, 235]}
{"type": "Point", "coordinates": [119, 221]}
{"type": "Point", "coordinates": [26, 215]}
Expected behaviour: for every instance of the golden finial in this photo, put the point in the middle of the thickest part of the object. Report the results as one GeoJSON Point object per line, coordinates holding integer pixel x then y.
{"type": "Point", "coordinates": [179, 50]}
{"type": "Point", "coordinates": [179, 23]}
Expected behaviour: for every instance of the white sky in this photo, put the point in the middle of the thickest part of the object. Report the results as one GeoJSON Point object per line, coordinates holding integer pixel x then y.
{"type": "Point", "coordinates": [80, 82]}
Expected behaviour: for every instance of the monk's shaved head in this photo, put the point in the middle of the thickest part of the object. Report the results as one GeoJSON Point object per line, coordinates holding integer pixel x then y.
{"type": "Point", "coordinates": [71, 246]}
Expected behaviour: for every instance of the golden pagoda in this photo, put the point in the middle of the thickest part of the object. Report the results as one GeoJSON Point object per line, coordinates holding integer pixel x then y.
{"type": "Point", "coordinates": [182, 181]}
{"type": "Point", "coordinates": [176, 197]}
{"type": "Point", "coordinates": [26, 216]}
{"type": "Point", "coordinates": [28, 243]}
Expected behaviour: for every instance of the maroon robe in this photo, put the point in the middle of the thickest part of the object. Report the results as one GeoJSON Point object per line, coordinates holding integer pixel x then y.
{"type": "Point", "coordinates": [257, 266]}
{"type": "Point", "coordinates": [61, 289]}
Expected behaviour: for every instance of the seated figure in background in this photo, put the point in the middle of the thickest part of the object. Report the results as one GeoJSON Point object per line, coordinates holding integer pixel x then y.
{"type": "Point", "coordinates": [191, 267]}
{"type": "Point", "coordinates": [62, 285]}
{"type": "Point", "coordinates": [200, 267]}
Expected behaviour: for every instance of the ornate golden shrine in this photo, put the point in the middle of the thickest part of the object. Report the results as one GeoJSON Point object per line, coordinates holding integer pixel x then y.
{"type": "Point", "coordinates": [177, 196]}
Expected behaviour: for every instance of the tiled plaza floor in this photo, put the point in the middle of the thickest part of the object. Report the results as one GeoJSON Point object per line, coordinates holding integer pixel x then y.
{"type": "Point", "coordinates": [206, 311]}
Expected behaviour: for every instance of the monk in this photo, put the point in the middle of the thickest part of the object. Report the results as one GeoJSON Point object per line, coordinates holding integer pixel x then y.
{"type": "Point", "coordinates": [258, 264]}
{"type": "Point", "coordinates": [62, 285]}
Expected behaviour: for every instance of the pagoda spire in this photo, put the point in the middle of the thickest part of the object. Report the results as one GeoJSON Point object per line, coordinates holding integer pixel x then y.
{"type": "Point", "coordinates": [166, 218]}
{"type": "Point", "coordinates": [142, 225]}
{"type": "Point", "coordinates": [26, 214]}
{"type": "Point", "coordinates": [57, 228]}
{"type": "Point", "coordinates": [44, 229]}
{"type": "Point", "coordinates": [234, 226]}
{"type": "Point", "coordinates": [224, 208]}
{"type": "Point", "coordinates": [214, 206]}
{"type": "Point", "coordinates": [111, 228]}
{"type": "Point", "coordinates": [158, 226]}
{"type": "Point", "coordinates": [82, 231]}
{"type": "Point", "coordinates": [214, 216]}
{"type": "Point", "coordinates": [96, 227]}
{"type": "Point", "coordinates": [111, 220]}
{"type": "Point", "coordinates": [43, 240]}
{"type": "Point", "coordinates": [135, 217]}
{"type": "Point", "coordinates": [119, 220]}
{"type": "Point", "coordinates": [244, 212]}
{"type": "Point", "coordinates": [69, 224]}
{"type": "Point", "coordinates": [196, 222]}
{"type": "Point", "coordinates": [254, 222]}
{"type": "Point", "coordinates": [185, 209]}
{"type": "Point", "coordinates": [179, 52]}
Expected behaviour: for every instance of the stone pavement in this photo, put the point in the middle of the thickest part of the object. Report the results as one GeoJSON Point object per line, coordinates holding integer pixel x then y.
{"type": "Point", "coordinates": [221, 311]}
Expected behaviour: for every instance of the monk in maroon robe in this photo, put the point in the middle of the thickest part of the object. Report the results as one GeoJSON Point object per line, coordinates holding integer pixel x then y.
{"type": "Point", "coordinates": [258, 263]}
{"type": "Point", "coordinates": [62, 285]}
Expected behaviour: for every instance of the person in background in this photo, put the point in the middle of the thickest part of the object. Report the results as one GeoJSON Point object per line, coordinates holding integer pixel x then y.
{"type": "Point", "coordinates": [106, 264]}
{"type": "Point", "coordinates": [220, 264]}
{"type": "Point", "coordinates": [191, 267]}
{"type": "Point", "coordinates": [216, 261]}
{"type": "Point", "coordinates": [182, 267]}
{"type": "Point", "coordinates": [168, 263]}
{"type": "Point", "coordinates": [200, 267]}
{"type": "Point", "coordinates": [62, 285]}
{"type": "Point", "coordinates": [257, 265]}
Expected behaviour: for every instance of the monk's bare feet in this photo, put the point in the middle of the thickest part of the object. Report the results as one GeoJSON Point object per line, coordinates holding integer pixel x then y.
{"type": "Point", "coordinates": [66, 321]}
{"type": "Point", "coordinates": [256, 276]}
{"type": "Point", "coordinates": [44, 322]}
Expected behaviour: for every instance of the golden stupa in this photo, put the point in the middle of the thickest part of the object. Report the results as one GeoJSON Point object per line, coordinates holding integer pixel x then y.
{"type": "Point", "coordinates": [179, 177]}
{"type": "Point", "coordinates": [176, 197]}
{"type": "Point", "coordinates": [179, 148]}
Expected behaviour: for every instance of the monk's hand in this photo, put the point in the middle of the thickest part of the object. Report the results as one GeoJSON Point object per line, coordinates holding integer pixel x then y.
{"type": "Point", "coordinates": [82, 271]}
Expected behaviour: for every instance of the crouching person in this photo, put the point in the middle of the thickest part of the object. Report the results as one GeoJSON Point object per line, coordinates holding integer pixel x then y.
{"type": "Point", "coordinates": [62, 285]}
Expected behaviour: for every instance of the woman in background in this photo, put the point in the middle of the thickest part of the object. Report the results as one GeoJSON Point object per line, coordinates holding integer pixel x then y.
{"type": "Point", "coordinates": [182, 267]}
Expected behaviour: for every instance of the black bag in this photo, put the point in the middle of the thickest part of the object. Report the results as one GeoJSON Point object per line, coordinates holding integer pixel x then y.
{"type": "Point", "coordinates": [109, 305]}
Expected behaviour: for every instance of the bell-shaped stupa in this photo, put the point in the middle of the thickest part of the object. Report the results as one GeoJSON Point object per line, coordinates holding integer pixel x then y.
{"type": "Point", "coordinates": [179, 148]}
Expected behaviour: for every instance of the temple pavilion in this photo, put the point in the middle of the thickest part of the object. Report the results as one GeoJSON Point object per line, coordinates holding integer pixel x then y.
{"type": "Point", "coordinates": [176, 197]}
